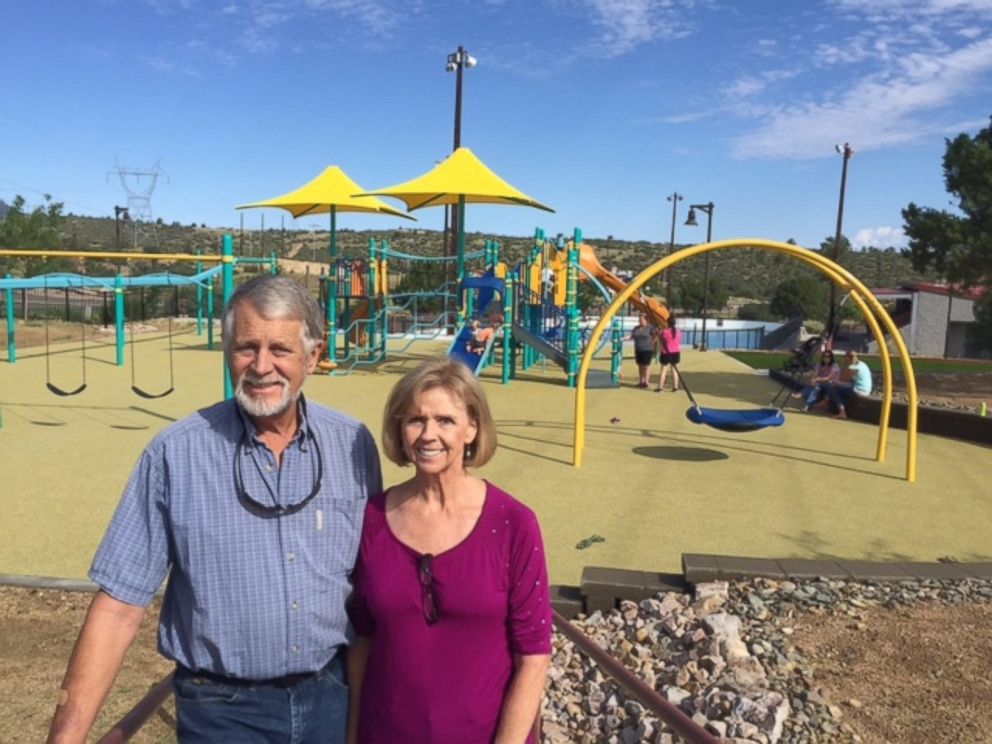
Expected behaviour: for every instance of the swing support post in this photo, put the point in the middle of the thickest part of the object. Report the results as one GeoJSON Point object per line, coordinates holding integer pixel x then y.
{"type": "Point", "coordinates": [227, 256]}
{"type": "Point", "coordinates": [119, 317]}
{"type": "Point", "coordinates": [11, 345]}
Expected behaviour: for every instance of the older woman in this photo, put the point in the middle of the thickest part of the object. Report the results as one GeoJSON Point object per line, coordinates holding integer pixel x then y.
{"type": "Point", "coordinates": [451, 601]}
{"type": "Point", "coordinates": [645, 340]}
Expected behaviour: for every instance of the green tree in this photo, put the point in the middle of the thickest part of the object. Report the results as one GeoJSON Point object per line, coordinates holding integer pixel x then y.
{"type": "Point", "coordinates": [959, 246]}
{"type": "Point", "coordinates": [800, 295]}
{"type": "Point", "coordinates": [755, 311]}
{"type": "Point", "coordinates": [843, 255]}
{"type": "Point", "coordinates": [980, 333]}
{"type": "Point", "coordinates": [38, 229]}
{"type": "Point", "coordinates": [690, 295]}
{"type": "Point", "coordinates": [423, 276]}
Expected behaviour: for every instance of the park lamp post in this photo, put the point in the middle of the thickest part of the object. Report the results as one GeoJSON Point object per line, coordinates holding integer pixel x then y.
{"type": "Point", "coordinates": [675, 197]}
{"type": "Point", "coordinates": [846, 152]}
{"type": "Point", "coordinates": [458, 61]}
{"type": "Point", "coordinates": [691, 221]}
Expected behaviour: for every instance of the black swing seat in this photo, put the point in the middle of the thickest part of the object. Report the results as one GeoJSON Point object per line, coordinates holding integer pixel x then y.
{"type": "Point", "coordinates": [65, 393]}
{"type": "Point", "coordinates": [735, 420]}
{"type": "Point", "coordinates": [150, 396]}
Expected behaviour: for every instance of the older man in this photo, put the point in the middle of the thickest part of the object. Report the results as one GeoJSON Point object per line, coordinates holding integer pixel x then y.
{"type": "Point", "coordinates": [253, 509]}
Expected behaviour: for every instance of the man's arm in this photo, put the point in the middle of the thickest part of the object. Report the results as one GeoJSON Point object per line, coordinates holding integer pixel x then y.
{"type": "Point", "coordinates": [523, 699]}
{"type": "Point", "coordinates": [107, 632]}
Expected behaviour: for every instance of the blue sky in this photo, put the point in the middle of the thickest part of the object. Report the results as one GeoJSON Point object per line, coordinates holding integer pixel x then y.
{"type": "Point", "coordinates": [599, 108]}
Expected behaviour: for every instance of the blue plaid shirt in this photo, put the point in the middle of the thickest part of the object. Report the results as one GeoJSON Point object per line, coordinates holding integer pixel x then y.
{"type": "Point", "coordinates": [248, 596]}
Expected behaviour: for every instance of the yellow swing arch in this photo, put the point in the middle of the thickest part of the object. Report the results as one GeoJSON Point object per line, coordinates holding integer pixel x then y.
{"type": "Point", "coordinates": [875, 316]}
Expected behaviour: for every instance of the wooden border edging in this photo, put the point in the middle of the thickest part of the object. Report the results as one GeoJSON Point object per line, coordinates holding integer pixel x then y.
{"type": "Point", "coordinates": [678, 721]}
{"type": "Point", "coordinates": [138, 716]}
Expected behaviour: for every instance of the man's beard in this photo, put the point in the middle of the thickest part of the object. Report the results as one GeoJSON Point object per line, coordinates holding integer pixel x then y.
{"type": "Point", "coordinates": [264, 408]}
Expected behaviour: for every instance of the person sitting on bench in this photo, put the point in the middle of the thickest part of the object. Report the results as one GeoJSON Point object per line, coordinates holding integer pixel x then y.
{"type": "Point", "coordinates": [855, 380]}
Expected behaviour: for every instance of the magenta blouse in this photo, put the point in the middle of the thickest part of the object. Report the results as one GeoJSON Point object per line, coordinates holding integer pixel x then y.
{"type": "Point", "coordinates": [446, 682]}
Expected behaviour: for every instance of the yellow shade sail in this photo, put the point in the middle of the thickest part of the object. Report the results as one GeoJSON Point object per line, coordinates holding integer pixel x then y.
{"type": "Point", "coordinates": [331, 191]}
{"type": "Point", "coordinates": [461, 176]}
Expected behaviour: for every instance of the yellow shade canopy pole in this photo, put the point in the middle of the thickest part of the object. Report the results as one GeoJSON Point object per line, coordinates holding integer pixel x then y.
{"type": "Point", "coordinates": [823, 264]}
{"type": "Point", "coordinates": [111, 255]}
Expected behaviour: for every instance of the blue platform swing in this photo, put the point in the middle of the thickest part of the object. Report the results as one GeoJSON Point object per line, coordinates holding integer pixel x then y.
{"type": "Point", "coordinates": [731, 419]}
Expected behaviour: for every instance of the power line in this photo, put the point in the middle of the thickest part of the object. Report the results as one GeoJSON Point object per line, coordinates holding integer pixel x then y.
{"type": "Point", "coordinates": [23, 187]}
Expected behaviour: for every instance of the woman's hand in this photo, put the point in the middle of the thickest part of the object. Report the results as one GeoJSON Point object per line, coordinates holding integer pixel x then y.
{"type": "Point", "coordinates": [523, 700]}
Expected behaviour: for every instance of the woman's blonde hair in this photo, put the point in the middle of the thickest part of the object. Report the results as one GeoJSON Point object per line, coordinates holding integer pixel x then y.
{"type": "Point", "coordinates": [455, 378]}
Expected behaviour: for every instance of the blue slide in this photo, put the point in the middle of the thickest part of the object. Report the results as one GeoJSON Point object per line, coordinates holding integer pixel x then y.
{"type": "Point", "coordinates": [488, 287]}
{"type": "Point", "coordinates": [459, 349]}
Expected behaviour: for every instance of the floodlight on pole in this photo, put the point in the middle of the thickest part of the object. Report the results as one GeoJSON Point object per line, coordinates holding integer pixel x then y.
{"type": "Point", "coordinates": [846, 152]}
{"type": "Point", "coordinates": [691, 221]}
{"type": "Point", "coordinates": [458, 61]}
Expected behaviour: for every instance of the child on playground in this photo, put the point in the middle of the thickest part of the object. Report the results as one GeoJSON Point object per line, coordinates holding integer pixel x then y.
{"type": "Point", "coordinates": [671, 354]}
{"type": "Point", "coordinates": [480, 337]}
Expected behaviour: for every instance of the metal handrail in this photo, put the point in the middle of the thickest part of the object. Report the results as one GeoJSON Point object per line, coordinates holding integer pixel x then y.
{"type": "Point", "coordinates": [138, 716]}
{"type": "Point", "coordinates": [678, 721]}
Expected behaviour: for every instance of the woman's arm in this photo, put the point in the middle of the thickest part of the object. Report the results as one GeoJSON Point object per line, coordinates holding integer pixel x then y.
{"type": "Point", "coordinates": [358, 657]}
{"type": "Point", "coordinates": [523, 699]}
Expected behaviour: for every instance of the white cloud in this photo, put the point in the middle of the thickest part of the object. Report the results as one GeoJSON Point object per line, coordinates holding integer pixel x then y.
{"type": "Point", "coordinates": [880, 109]}
{"type": "Point", "coordinates": [161, 64]}
{"type": "Point", "coordinates": [750, 85]}
{"type": "Point", "coordinates": [626, 24]}
{"type": "Point", "coordinates": [879, 237]}
{"type": "Point", "coordinates": [375, 16]}
{"type": "Point", "coordinates": [877, 74]}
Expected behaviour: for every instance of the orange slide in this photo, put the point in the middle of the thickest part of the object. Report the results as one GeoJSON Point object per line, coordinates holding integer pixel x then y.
{"type": "Point", "coordinates": [657, 313]}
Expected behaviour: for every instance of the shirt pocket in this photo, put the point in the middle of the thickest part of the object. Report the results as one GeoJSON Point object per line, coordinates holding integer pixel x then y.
{"type": "Point", "coordinates": [342, 527]}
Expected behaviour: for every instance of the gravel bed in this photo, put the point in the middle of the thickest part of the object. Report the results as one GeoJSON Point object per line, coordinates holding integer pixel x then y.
{"type": "Point", "coordinates": [726, 656]}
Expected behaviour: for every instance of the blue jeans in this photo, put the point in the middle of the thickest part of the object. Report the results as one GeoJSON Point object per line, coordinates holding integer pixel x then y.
{"type": "Point", "coordinates": [811, 394]}
{"type": "Point", "coordinates": [839, 392]}
{"type": "Point", "coordinates": [315, 710]}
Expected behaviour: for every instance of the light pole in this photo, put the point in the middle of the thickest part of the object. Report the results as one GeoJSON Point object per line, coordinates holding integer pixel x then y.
{"type": "Point", "coordinates": [458, 61]}
{"type": "Point", "coordinates": [846, 152]}
{"type": "Point", "coordinates": [691, 220]}
{"type": "Point", "coordinates": [675, 197]}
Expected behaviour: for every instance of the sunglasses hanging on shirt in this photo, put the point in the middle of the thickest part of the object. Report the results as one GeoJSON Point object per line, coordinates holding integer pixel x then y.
{"type": "Point", "coordinates": [268, 510]}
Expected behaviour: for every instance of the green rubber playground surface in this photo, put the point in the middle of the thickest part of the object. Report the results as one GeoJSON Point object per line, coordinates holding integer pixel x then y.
{"type": "Point", "coordinates": [652, 484]}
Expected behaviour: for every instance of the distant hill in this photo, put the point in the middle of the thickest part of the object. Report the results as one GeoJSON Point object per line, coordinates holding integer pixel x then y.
{"type": "Point", "coordinates": [753, 274]}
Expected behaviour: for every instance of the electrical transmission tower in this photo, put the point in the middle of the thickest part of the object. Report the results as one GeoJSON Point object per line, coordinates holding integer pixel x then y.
{"type": "Point", "coordinates": [139, 185]}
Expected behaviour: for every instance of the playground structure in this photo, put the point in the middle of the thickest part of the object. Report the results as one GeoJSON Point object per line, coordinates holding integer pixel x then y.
{"type": "Point", "coordinates": [367, 300]}
{"type": "Point", "coordinates": [872, 310]}
{"type": "Point", "coordinates": [534, 304]}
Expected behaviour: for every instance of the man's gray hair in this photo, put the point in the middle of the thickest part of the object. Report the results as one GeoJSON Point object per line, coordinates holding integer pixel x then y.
{"type": "Point", "coordinates": [276, 298]}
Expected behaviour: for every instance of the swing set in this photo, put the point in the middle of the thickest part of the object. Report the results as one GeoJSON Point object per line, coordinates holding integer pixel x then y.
{"type": "Point", "coordinates": [747, 420]}
{"type": "Point", "coordinates": [203, 279]}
